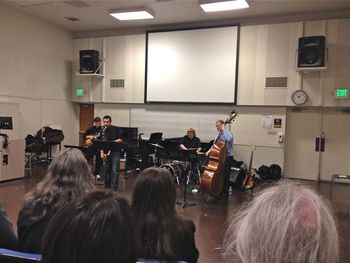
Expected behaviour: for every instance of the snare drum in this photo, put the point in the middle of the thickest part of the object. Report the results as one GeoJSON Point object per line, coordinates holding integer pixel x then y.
{"type": "Point", "coordinates": [176, 170]}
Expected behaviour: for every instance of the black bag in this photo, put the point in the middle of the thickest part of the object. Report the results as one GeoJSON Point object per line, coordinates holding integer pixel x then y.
{"type": "Point", "coordinates": [264, 172]}
{"type": "Point", "coordinates": [34, 144]}
{"type": "Point", "coordinates": [274, 172]}
{"type": "Point", "coordinates": [53, 135]}
{"type": "Point", "coordinates": [237, 175]}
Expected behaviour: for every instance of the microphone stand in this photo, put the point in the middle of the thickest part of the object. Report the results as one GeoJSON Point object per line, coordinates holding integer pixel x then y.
{"type": "Point", "coordinates": [184, 203]}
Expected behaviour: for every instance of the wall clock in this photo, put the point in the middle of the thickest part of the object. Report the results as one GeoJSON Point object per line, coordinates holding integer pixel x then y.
{"type": "Point", "coordinates": [299, 97]}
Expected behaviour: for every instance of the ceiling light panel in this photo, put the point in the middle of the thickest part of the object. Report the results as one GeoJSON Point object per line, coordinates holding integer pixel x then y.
{"type": "Point", "coordinates": [224, 5]}
{"type": "Point", "coordinates": [132, 15]}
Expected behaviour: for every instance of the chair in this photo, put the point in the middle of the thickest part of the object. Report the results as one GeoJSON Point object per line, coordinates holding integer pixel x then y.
{"type": "Point", "coordinates": [13, 256]}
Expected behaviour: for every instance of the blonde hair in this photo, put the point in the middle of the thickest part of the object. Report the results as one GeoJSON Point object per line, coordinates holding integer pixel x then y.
{"type": "Point", "coordinates": [284, 223]}
{"type": "Point", "coordinates": [191, 130]}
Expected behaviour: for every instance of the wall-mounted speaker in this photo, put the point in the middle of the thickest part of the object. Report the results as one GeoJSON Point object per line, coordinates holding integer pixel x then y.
{"type": "Point", "coordinates": [311, 53]}
{"type": "Point", "coordinates": [89, 61]}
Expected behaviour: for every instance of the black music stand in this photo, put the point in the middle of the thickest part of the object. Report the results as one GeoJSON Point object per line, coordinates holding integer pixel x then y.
{"type": "Point", "coordinates": [108, 146]}
{"type": "Point", "coordinates": [188, 155]}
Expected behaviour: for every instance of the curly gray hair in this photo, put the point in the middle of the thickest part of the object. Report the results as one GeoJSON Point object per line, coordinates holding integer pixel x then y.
{"type": "Point", "coordinates": [285, 223]}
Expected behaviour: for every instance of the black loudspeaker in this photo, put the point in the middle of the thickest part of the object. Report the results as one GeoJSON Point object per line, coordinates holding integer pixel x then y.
{"type": "Point", "coordinates": [89, 61]}
{"type": "Point", "coordinates": [311, 52]}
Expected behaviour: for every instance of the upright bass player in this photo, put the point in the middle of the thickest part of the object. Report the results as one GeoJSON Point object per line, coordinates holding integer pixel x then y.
{"type": "Point", "coordinates": [225, 139]}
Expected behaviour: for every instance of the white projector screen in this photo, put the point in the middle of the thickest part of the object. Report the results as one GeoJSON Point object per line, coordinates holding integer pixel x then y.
{"type": "Point", "coordinates": [192, 66]}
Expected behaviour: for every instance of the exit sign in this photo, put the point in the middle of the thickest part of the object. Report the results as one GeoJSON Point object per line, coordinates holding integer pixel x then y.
{"type": "Point", "coordinates": [341, 93]}
{"type": "Point", "coordinates": [79, 92]}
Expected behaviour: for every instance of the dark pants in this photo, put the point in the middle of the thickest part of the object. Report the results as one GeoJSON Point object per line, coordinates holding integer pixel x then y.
{"type": "Point", "coordinates": [98, 163]}
{"type": "Point", "coordinates": [227, 172]}
{"type": "Point", "coordinates": [112, 176]}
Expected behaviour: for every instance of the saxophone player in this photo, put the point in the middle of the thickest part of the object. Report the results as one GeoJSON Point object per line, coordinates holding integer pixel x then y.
{"type": "Point", "coordinates": [113, 134]}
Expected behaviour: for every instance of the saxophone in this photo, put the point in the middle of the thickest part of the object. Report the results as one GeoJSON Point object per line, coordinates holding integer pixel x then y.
{"type": "Point", "coordinates": [104, 138]}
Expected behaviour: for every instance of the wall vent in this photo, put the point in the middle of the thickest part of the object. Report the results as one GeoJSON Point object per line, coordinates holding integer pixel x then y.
{"type": "Point", "coordinates": [276, 82]}
{"type": "Point", "coordinates": [71, 18]}
{"type": "Point", "coordinates": [117, 83]}
{"type": "Point", "coordinates": [76, 3]}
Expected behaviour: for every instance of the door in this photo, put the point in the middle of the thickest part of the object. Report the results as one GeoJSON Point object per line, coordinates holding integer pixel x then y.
{"type": "Point", "coordinates": [301, 160]}
{"type": "Point", "coordinates": [336, 157]}
{"type": "Point", "coordinates": [86, 119]}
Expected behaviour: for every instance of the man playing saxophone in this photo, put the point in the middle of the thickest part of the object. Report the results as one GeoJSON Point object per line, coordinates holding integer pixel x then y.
{"type": "Point", "coordinates": [111, 133]}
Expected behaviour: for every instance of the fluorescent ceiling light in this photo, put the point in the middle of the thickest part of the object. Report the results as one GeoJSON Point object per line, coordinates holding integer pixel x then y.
{"type": "Point", "coordinates": [132, 15]}
{"type": "Point", "coordinates": [224, 5]}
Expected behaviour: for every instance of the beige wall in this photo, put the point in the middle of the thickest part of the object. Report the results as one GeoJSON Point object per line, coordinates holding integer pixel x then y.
{"type": "Point", "coordinates": [265, 51]}
{"type": "Point", "coordinates": [35, 73]}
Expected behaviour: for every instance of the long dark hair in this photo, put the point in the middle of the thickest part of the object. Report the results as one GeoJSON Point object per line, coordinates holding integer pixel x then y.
{"type": "Point", "coordinates": [153, 205]}
{"type": "Point", "coordinates": [68, 176]}
{"type": "Point", "coordinates": [154, 193]}
{"type": "Point", "coordinates": [97, 227]}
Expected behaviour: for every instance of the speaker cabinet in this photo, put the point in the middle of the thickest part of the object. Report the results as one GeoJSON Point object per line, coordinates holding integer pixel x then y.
{"type": "Point", "coordinates": [89, 62]}
{"type": "Point", "coordinates": [311, 53]}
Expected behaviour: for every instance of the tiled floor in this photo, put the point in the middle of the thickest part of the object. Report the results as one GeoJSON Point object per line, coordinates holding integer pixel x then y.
{"type": "Point", "coordinates": [210, 219]}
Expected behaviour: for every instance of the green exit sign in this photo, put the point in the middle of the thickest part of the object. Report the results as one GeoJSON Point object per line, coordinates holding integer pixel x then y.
{"type": "Point", "coordinates": [79, 92]}
{"type": "Point", "coordinates": [341, 93]}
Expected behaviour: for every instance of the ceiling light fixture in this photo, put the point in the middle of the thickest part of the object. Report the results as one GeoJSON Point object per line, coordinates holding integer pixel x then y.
{"type": "Point", "coordinates": [223, 5]}
{"type": "Point", "coordinates": [131, 15]}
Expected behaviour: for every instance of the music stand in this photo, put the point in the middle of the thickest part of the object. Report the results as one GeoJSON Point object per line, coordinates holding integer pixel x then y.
{"type": "Point", "coordinates": [188, 155]}
{"type": "Point", "coordinates": [108, 146]}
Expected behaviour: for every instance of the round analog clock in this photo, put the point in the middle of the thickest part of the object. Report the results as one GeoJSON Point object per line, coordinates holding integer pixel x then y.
{"type": "Point", "coordinates": [299, 97]}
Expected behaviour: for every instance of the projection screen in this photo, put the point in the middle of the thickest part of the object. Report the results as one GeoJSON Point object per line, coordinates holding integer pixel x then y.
{"type": "Point", "coordinates": [192, 66]}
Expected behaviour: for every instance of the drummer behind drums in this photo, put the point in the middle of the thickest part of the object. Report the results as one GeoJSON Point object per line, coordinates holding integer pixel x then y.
{"type": "Point", "coordinates": [191, 142]}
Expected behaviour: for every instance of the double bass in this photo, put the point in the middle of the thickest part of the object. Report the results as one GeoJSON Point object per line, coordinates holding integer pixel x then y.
{"type": "Point", "coordinates": [212, 180]}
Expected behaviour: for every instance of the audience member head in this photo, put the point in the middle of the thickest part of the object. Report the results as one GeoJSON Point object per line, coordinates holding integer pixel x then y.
{"type": "Point", "coordinates": [284, 223]}
{"type": "Point", "coordinates": [68, 176]}
{"type": "Point", "coordinates": [97, 227]}
{"type": "Point", "coordinates": [154, 193]}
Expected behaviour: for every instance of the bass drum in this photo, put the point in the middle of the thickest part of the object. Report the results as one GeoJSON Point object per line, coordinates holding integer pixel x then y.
{"type": "Point", "coordinates": [176, 170]}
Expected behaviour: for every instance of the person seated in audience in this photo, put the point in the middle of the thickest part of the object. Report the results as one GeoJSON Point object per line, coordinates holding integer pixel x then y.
{"type": "Point", "coordinates": [284, 223]}
{"type": "Point", "coordinates": [68, 177]}
{"type": "Point", "coordinates": [163, 233]}
{"type": "Point", "coordinates": [97, 227]}
{"type": "Point", "coordinates": [8, 237]}
{"type": "Point", "coordinates": [190, 141]}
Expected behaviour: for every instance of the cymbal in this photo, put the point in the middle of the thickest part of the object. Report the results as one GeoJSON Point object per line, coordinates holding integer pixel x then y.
{"type": "Point", "coordinates": [156, 145]}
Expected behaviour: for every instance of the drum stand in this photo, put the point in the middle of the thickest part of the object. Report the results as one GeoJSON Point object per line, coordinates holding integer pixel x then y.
{"type": "Point", "coordinates": [184, 202]}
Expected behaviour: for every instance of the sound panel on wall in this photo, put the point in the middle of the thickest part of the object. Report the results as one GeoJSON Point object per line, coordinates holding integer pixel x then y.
{"type": "Point", "coordinates": [89, 61]}
{"type": "Point", "coordinates": [311, 53]}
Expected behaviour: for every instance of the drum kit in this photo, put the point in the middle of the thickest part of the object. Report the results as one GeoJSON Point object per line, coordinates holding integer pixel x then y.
{"type": "Point", "coordinates": [183, 165]}
{"type": "Point", "coordinates": [176, 170]}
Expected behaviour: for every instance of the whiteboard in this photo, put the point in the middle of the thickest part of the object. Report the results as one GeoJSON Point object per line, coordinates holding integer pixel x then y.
{"type": "Point", "coordinates": [174, 120]}
{"type": "Point", "coordinates": [196, 66]}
